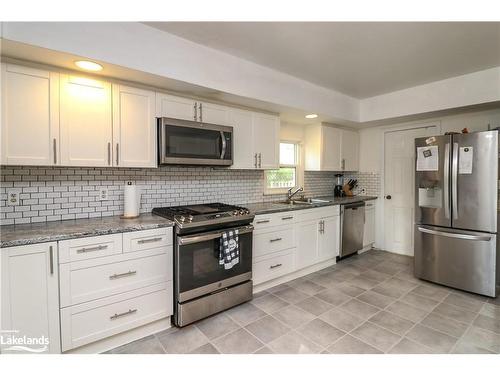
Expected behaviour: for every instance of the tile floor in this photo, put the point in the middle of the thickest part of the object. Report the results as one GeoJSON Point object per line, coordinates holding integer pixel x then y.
{"type": "Point", "coordinates": [370, 303]}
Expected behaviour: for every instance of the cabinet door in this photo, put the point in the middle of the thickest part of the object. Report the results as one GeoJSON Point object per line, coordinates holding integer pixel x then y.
{"type": "Point", "coordinates": [213, 113]}
{"type": "Point", "coordinates": [369, 229]}
{"type": "Point", "coordinates": [30, 294]}
{"type": "Point", "coordinates": [243, 151]}
{"type": "Point", "coordinates": [30, 116]}
{"type": "Point", "coordinates": [350, 150]}
{"type": "Point", "coordinates": [175, 107]}
{"type": "Point", "coordinates": [266, 140]}
{"type": "Point", "coordinates": [86, 122]}
{"type": "Point", "coordinates": [330, 149]}
{"type": "Point", "coordinates": [307, 243]}
{"type": "Point", "coordinates": [134, 127]}
{"type": "Point", "coordinates": [329, 238]}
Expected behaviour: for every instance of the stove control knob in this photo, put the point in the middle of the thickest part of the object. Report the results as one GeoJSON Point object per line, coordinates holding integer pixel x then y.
{"type": "Point", "coordinates": [190, 218]}
{"type": "Point", "coordinates": [236, 213]}
{"type": "Point", "coordinates": [242, 212]}
{"type": "Point", "coordinates": [182, 219]}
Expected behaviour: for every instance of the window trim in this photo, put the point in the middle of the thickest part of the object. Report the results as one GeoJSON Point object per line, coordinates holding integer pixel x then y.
{"type": "Point", "coordinates": [299, 170]}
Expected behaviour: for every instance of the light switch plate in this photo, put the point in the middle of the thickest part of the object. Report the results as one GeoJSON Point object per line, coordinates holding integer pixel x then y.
{"type": "Point", "coordinates": [13, 198]}
{"type": "Point", "coordinates": [103, 194]}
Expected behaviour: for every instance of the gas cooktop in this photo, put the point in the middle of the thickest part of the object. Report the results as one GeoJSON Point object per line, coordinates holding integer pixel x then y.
{"type": "Point", "coordinates": [203, 214]}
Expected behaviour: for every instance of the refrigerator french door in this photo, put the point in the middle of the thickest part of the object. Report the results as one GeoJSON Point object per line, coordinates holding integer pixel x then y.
{"type": "Point", "coordinates": [456, 211]}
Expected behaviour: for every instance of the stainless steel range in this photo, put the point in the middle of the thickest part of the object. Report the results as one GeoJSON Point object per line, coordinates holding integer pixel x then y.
{"type": "Point", "coordinates": [202, 286]}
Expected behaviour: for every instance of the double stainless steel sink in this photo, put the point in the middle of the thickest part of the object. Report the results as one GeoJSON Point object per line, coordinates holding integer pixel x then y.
{"type": "Point", "coordinates": [304, 201]}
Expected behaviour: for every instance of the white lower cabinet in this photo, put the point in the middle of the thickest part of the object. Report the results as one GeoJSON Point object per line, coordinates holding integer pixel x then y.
{"type": "Point", "coordinates": [369, 229]}
{"type": "Point", "coordinates": [30, 295]}
{"type": "Point", "coordinates": [286, 242]}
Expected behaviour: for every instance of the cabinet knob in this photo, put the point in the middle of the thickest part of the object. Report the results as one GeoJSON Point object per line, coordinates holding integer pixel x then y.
{"type": "Point", "coordinates": [388, 197]}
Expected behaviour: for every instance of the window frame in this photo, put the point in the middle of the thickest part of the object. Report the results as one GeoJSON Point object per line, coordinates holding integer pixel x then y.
{"type": "Point", "coordinates": [299, 170]}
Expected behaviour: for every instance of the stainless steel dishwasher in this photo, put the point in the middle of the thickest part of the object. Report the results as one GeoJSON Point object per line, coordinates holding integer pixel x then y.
{"type": "Point", "coordinates": [353, 223]}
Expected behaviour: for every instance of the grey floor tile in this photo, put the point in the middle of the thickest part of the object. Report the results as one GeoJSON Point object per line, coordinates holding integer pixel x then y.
{"type": "Point", "coordinates": [406, 346]}
{"type": "Point", "coordinates": [333, 297]}
{"type": "Point", "coordinates": [392, 322]}
{"type": "Point", "coordinates": [431, 338]}
{"type": "Point", "coordinates": [432, 292]}
{"type": "Point", "coordinates": [363, 282]}
{"type": "Point", "coordinates": [407, 311]}
{"type": "Point", "coordinates": [267, 329]}
{"type": "Point", "coordinates": [402, 284]}
{"type": "Point", "coordinates": [294, 343]}
{"type": "Point", "coordinates": [277, 288]}
{"type": "Point", "coordinates": [293, 316]}
{"type": "Point", "coordinates": [376, 299]}
{"type": "Point", "coordinates": [485, 322]}
{"type": "Point", "coordinates": [376, 336]}
{"type": "Point", "coordinates": [482, 339]}
{"type": "Point", "coordinates": [291, 295]}
{"type": "Point", "coordinates": [349, 289]}
{"type": "Point", "coordinates": [320, 332]}
{"type": "Point", "coordinates": [454, 312]}
{"type": "Point", "coordinates": [245, 313]}
{"type": "Point", "coordinates": [217, 325]}
{"type": "Point", "coordinates": [237, 342]}
{"type": "Point", "coordinates": [314, 306]}
{"type": "Point", "coordinates": [260, 294]}
{"type": "Point", "coordinates": [269, 303]}
{"type": "Point", "coordinates": [389, 290]}
{"type": "Point", "coordinates": [342, 319]}
{"type": "Point", "coordinates": [146, 345]}
{"type": "Point", "coordinates": [466, 348]}
{"type": "Point", "coordinates": [423, 303]}
{"type": "Point", "coordinates": [308, 287]}
{"type": "Point", "coordinates": [360, 309]}
{"type": "Point", "coordinates": [325, 280]}
{"type": "Point", "coordinates": [440, 323]}
{"type": "Point", "coordinates": [494, 301]}
{"type": "Point", "coordinates": [351, 345]}
{"type": "Point", "coordinates": [375, 275]}
{"type": "Point", "coordinates": [264, 350]}
{"type": "Point", "coordinates": [205, 349]}
{"type": "Point", "coordinates": [388, 268]}
{"type": "Point", "coordinates": [490, 310]}
{"type": "Point", "coordinates": [464, 302]}
{"type": "Point", "coordinates": [182, 340]}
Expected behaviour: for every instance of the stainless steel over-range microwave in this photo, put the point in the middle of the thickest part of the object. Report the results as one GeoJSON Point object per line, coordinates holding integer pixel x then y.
{"type": "Point", "coordinates": [194, 143]}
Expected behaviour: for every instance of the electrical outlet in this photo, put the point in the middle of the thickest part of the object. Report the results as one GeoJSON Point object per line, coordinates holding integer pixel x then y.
{"type": "Point", "coordinates": [12, 198]}
{"type": "Point", "coordinates": [103, 194]}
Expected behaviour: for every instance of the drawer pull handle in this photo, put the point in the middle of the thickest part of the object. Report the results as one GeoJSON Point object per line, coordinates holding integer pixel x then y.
{"type": "Point", "coordinates": [262, 221]}
{"type": "Point", "coordinates": [287, 218]}
{"type": "Point", "coordinates": [275, 266]}
{"type": "Point", "coordinates": [120, 275]}
{"type": "Point", "coordinates": [116, 316]}
{"type": "Point", "coordinates": [95, 248]}
{"type": "Point", "coordinates": [156, 239]}
{"type": "Point", "coordinates": [275, 239]}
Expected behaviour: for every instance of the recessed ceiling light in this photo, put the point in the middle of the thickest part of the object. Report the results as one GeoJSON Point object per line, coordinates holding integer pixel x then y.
{"type": "Point", "coordinates": [312, 115]}
{"type": "Point", "coordinates": [88, 65]}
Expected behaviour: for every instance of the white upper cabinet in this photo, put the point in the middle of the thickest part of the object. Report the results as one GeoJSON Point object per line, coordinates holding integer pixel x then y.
{"type": "Point", "coordinates": [213, 113]}
{"type": "Point", "coordinates": [30, 116]}
{"type": "Point", "coordinates": [176, 107]}
{"type": "Point", "coordinates": [244, 156]}
{"type": "Point", "coordinates": [331, 149]}
{"type": "Point", "coordinates": [86, 122]}
{"type": "Point", "coordinates": [266, 140]}
{"type": "Point", "coordinates": [134, 127]}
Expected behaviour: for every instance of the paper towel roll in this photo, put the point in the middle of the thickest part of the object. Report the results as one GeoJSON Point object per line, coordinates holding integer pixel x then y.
{"type": "Point", "coordinates": [132, 197]}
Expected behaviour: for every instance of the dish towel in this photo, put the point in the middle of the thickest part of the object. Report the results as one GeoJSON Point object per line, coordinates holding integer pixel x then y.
{"type": "Point", "coordinates": [229, 252]}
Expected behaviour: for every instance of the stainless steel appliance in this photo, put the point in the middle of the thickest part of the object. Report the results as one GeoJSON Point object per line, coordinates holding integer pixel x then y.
{"type": "Point", "coordinates": [352, 217]}
{"type": "Point", "coordinates": [456, 211]}
{"type": "Point", "coordinates": [194, 143]}
{"type": "Point", "coordinates": [202, 286]}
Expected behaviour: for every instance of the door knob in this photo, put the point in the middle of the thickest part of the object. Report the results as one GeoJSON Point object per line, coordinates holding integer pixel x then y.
{"type": "Point", "coordinates": [388, 197]}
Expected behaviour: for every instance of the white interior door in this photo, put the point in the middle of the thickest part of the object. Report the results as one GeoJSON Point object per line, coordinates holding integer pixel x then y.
{"type": "Point", "coordinates": [399, 187]}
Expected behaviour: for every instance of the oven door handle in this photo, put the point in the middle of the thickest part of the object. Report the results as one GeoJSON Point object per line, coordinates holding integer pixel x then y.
{"type": "Point", "coordinates": [187, 240]}
{"type": "Point", "coordinates": [224, 145]}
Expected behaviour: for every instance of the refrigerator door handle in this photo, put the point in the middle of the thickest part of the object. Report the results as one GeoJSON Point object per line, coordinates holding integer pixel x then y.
{"type": "Point", "coordinates": [447, 181]}
{"type": "Point", "coordinates": [461, 236]}
{"type": "Point", "coordinates": [454, 182]}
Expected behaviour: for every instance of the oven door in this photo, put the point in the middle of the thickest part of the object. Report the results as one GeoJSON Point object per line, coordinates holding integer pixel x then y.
{"type": "Point", "coordinates": [189, 142]}
{"type": "Point", "coordinates": [197, 267]}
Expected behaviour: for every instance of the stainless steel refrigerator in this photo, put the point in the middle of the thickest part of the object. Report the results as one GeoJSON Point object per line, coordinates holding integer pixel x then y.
{"type": "Point", "coordinates": [456, 211]}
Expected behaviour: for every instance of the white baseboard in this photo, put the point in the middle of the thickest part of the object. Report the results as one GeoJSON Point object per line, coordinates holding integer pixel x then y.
{"type": "Point", "coordinates": [122, 338]}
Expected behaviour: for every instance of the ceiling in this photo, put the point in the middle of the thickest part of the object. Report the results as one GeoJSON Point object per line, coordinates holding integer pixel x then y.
{"type": "Point", "coordinates": [360, 59]}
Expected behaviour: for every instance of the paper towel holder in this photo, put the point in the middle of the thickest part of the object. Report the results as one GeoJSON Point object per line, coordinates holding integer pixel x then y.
{"type": "Point", "coordinates": [138, 199]}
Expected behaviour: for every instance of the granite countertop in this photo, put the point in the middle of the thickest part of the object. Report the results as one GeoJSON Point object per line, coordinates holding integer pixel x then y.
{"type": "Point", "coordinates": [271, 207]}
{"type": "Point", "coordinates": [25, 234]}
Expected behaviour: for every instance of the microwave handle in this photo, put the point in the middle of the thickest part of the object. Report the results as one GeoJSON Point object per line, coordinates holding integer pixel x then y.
{"type": "Point", "coordinates": [224, 145]}
{"type": "Point", "coordinates": [187, 240]}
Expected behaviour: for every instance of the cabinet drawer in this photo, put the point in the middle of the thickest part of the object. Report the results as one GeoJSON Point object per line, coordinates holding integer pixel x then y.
{"type": "Point", "coordinates": [80, 283]}
{"type": "Point", "coordinates": [147, 239]}
{"type": "Point", "coordinates": [270, 267]}
{"type": "Point", "coordinates": [275, 219]}
{"type": "Point", "coordinates": [89, 322]}
{"type": "Point", "coordinates": [272, 241]}
{"type": "Point", "coordinates": [89, 247]}
{"type": "Point", "coordinates": [318, 213]}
